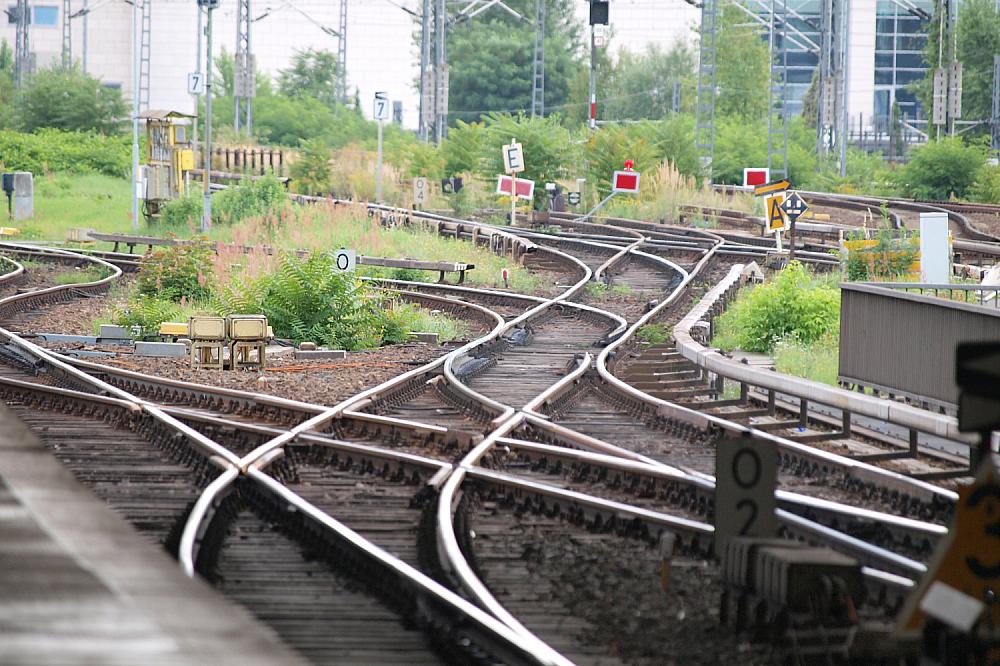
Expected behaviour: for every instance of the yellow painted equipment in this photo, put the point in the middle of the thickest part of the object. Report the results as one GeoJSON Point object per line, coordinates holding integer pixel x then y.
{"type": "Point", "coordinates": [207, 328]}
{"type": "Point", "coordinates": [169, 157]}
{"type": "Point", "coordinates": [173, 329]}
{"type": "Point", "coordinates": [247, 327]}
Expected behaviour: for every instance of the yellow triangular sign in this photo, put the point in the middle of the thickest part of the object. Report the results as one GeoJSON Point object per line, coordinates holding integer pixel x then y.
{"type": "Point", "coordinates": [967, 559]}
{"type": "Point", "coordinates": [775, 216]}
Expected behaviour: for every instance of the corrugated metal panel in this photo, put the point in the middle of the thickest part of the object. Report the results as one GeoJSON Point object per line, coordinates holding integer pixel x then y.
{"type": "Point", "coordinates": [906, 342]}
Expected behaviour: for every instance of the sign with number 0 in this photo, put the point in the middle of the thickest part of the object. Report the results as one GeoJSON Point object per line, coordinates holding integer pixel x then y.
{"type": "Point", "coordinates": [419, 191]}
{"type": "Point", "coordinates": [746, 470]}
{"type": "Point", "coordinates": [344, 260]}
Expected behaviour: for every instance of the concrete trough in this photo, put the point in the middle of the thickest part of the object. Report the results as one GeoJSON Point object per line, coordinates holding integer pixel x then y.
{"type": "Point", "coordinates": [161, 349]}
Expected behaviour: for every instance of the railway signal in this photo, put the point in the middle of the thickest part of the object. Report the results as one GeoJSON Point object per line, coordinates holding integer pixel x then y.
{"type": "Point", "coordinates": [754, 177]}
{"type": "Point", "coordinates": [794, 206]}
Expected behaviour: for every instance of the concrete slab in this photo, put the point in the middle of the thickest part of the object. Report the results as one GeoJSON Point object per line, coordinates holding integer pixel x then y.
{"type": "Point", "coordinates": [114, 332]}
{"type": "Point", "coordinates": [163, 349]}
{"type": "Point", "coordinates": [59, 337]}
{"type": "Point", "coordinates": [418, 336]}
{"type": "Point", "coordinates": [91, 590]}
{"type": "Point", "coordinates": [318, 354]}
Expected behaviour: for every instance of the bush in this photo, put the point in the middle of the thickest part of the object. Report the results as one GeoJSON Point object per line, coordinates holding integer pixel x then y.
{"type": "Point", "coordinates": [248, 199]}
{"type": "Point", "coordinates": [942, 169]}
{"type": "Point", "coordinates": [146, 313]}
{"type": "Point", "coordinates": [305, 300]}
{"type": "Point", "coordinates": [790, 305]}
{"type": "Point", "coordinates": [987, 186]}
{"type": "Point", "coordinates": [68, 99]}
{"type": "Point", "coordinates": [182, 212]}
{"type": "Point", "coordinates": [311, 172]}
{"type": "Point", "coordinates": [48, 150]}
{"type": "Point", "coordinates": [176, 273]}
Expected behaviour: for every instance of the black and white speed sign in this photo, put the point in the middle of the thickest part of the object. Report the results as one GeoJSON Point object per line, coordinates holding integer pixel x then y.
{"type": "Point", "coordinates": [344, 260]}
{"type": "Point", "coordinates": [746, 470]}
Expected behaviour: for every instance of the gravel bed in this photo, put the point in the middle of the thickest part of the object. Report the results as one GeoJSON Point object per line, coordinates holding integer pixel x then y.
{"type": "Point", "coordinates": [609, 590]}
{"type": "Point", "coordinates": [324, 382]}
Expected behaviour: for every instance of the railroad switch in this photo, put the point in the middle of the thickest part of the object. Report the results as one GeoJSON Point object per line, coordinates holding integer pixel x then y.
{"type": "Point", "coordinates": [784, 591]}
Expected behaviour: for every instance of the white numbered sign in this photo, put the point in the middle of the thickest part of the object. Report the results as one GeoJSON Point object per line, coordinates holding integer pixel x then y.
{"type": "Point", "coordinates": [382, 107]}
{"type": "Point", "coordinates": [745, 473]}
{"type": "Point", "coordinates": [196, 83]}
{"type": "Point", "coordinates": [419, 191]}
{"type": "Point", "coordinates": [344, 260]}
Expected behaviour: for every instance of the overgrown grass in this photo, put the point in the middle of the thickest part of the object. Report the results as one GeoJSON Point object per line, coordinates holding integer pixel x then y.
{"type": "Point", "coordinates": [76, 276]}
{"type": "Point", "coordinates": [421, 320]}
{"type": "Point", "coordinates": [655, 334]}
{"type": "Point", "coordinates": [818, 361]}
{"type": "Point", "coordinates": [327, 227]}
{"type": "Point", "coordinates": [63, 201]}
{"type": "Point", "coordinates": [666, 189]}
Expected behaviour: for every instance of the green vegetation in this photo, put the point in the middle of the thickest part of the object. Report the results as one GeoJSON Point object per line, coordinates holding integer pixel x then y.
{"type": "Point", "coordinates": [78, 275]}
{"type": "Point", "coordinates": [251, 198]}
{"type": "Point", "coordinates": [655, 334]}
{"type": "Point", "coordinates": [52, 150]}
{"type": "Point", "coordinates": [792, 305]}
{"type": "Point", "coordinates": [64, 201]}
{"type": "Point", "coordinates": [177, 273]}
{"type": "Point", "coordinates": [818, 361]}
{"type": "Point", "coordinates": [68, 99]}
{"type": "Point", "coordinates": [888, 256]}
{"type": "Point", "coordinates": [943, 169]}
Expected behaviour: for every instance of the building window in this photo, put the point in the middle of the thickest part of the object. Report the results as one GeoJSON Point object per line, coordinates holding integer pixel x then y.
{"type": "Point", "coordinates": [45, 15]}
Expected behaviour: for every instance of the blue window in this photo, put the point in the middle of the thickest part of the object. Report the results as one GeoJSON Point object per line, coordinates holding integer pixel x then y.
{"type": "Point", "coordinates": [45, 15]}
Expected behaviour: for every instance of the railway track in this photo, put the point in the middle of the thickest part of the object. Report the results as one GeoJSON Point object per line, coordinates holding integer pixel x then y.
{"type": "Point", "coordinates": [385, 489]}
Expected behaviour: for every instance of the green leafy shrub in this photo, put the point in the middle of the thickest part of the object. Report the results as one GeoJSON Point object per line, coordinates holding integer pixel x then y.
{"type": "Point", "coordinates": [306, 300]}
{"type": "Point", "coordinates": [987, 186]}
{"type": "Point", "coordinates": [176, 273]}
{"type": "Point", "coordinates": [68, 99]}
{"type": "Point", "coordinates": [48, 150]}
{"type": "Point", "coordinates": [942, 169]}
{"type": "Point", "coordinates": [146, 313]}
{"type": "Point", "coordinates": [790, 305]}
{"type": "Point", "coordinates": [248, 199]}
{"type": "Point", "coordinates": [182, 212]}
{"type": "Point", "coordinates": [311, 172]}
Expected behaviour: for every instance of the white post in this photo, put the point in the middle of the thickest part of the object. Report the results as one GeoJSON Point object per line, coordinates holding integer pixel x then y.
{"type": "Point", "coordinates": [778, 237]}
{"type": "Point", "coordinates": [378, 166]}
{"type": "Point", "coordinates": [513, 200]}
{"type": "Point", "coordinates": [136, 180]}
{"type": "Point", "coordinates": [206, 216]}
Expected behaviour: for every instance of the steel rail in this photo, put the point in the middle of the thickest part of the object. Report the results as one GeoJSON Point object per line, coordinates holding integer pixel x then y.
{"type": "Point", "coordinates": [427, 592]}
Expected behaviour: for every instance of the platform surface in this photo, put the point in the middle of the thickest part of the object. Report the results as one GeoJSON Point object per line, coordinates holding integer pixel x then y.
{"type": "Point", "coordinates": [79, 586]}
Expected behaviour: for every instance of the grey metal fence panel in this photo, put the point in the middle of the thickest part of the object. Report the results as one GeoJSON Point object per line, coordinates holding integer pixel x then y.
{"type": "Point", "coordinates": [905, 342]}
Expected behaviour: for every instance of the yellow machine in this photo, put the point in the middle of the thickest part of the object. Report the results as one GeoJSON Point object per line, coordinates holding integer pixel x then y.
{"type": "Point", "coordinates": [169, 156]}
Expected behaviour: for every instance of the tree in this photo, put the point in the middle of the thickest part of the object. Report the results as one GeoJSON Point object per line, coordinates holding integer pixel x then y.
{"type": "Point", "coordinates": [978, 41]}
{"type": "Point", "coordinates": [548, 151]}
{"type": "Point", "coordinates": [312, 74]}
{"type": "Point", "coordinates": [311, 172]}
{"type": "Point", "coordinates": [490, 59]}
{"type": "Point", "coordinates": [741, 67]}
{"type": "Point", "coordinates": [6, 82]}
{"type": "Point", "coordinates": [642, 84]}
{"type": "Point", "coordinates": [810, 103]}
{"type": "Point", "coordinates": [68, 99]}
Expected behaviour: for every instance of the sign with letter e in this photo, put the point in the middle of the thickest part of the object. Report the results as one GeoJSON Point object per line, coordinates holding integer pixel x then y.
{"type": "Point", "coordinates": [513, 158]}
{"type": "Point", "coordinates": [746, 469]}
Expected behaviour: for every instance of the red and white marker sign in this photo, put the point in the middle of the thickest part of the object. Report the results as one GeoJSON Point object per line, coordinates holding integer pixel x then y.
{"type": "Point", "coordinates": [625, 181]}
{"type": "Point", "coordinates": [525, 187]}
{"type": "Point", "coordinates": [759, 176]}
